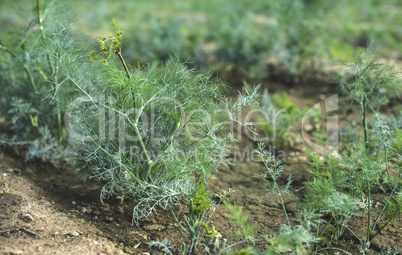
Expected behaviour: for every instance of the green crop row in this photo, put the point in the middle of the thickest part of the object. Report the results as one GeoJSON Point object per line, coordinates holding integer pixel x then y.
{"type": "Point", "coordinates": [241, 37]}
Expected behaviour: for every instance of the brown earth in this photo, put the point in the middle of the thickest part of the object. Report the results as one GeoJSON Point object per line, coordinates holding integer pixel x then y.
{"type": "Point", "coordinates": [45, 210]}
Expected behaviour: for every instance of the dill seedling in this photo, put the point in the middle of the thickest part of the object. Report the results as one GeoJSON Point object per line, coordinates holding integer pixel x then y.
{"type": "Point", "coordinates": [239, 218]}
{"type": "Point", "coordinates": [275, 170]}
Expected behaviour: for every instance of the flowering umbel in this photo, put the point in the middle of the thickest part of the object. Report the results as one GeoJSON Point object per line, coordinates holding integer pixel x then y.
{"type": "Point", "coordinates": [108, 46]}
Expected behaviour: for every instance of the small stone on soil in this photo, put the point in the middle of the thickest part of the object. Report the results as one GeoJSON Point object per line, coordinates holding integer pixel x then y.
{"type": "Point", "coordinates": [86, 210]}
{"type": "Point", "coordinates": [72, 233]}
{"type": "Point", "coordinates": [27, 217]}
{"type": "Point", "coordinates": [14, 170]}
{"type": "Point", "coordinates": [154, 227]}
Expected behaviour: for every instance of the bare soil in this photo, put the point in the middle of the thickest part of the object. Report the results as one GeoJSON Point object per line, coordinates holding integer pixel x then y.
{"type": "Point", "coordinates": [46, 210]}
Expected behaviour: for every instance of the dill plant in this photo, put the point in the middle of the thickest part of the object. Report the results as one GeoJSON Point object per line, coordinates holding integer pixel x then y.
{"type": "Point", "coordinates": [275, 170]}
{"type": "Point", "coordinates": [31, 78]}
{"type": "Point", "coordinates": [343, 186]}
{"type": "Point", "coordinates": [161, 138]}
{"type": "Point", "coordinates": [370, 83]}
{"type": "Point", "coordinates": [325, 196]}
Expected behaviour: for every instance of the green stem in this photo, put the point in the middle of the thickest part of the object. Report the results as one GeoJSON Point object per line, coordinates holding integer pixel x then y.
{"type": "Point", "coordinates": [380, 229]}
{"type": "Point", "coordinates": [181, 226]}
{"type": "Point", "coordinates": [59, 123]}
{"type": "Point", "coordinates": [283, 205]}
{"type": "Point", "coordinates": [317, 245]}
{"type": "Point", "coordinates": [385, 206]}
{"type": "Point", "coordinates": [369, 213]}
{"type": "Point", "coordinates": [149, 161]}
{"type": "Point", "coordinates": [39, 19]}
{"type": "Point", "coordinates": [137, 132]}
{"type": "Point", "coordinates": [279, 194]}
{"type": "Point", "coordinates": [31, 79]}
{"type": "Point", "coordinates": [386, 160]}
{"type": "Point", "coordinates": [124, 65]}
{"type": "Point", "coordinates": [42, 34]}
{"type": "Point", "coordinates": [54, 71]}
{"type": "Point", "coordinates": [129, 78]}
{"type": "Point", "coordinates": [326, 225]}
{"type": "Point", "coordinates": [364, 123]}
{"type": "Point", "coordinates": [215, 130]}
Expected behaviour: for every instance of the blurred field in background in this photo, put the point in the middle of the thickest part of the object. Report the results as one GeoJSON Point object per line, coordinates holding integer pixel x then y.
{"type": "Point", "coordinates": [233, 36]}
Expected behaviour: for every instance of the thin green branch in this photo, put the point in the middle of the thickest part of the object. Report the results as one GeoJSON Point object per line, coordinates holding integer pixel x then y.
{"type": "Point", "coordinates": [42, 34]}
{"type": "Point", "coordinates": [24, 64]}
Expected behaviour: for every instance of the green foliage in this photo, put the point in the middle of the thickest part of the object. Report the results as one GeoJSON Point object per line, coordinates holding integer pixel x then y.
{"type": "Point", "coordinates": [201, 198]}
{"type": "Point", "coordinates": [282, 116]}
{"type": "Point", "coordinates": [275, 170]}
{"type": "Point", "coordinates": [165, 141]}
{"type": "Point", "coordinates": [369, 83]}
{"type": "Point", "coordinates": [239, 45]}
{"type": "Point", "coordinates": [342, 186]}
{"type": "Point", "coordinates": [291, 239]}
{"type": "Point", "coordinates": [239, 218]}
{"type": "Point", "coordinates": [341, 207]}
{"type": "Point", "coordinates": [165, 245]}
{"type": "Point", "coordinates": [32, 70]}
{"type": "Point", "coordinates": [209, 237]}
{"type": "Point", "coordinates": [397, 142]}
{"type": "Point", "coordinates": [393, 208]}
{"type": "Point", "coordinates": [239, 37]}
{"type": "Point", "coordinates": [242, 252]}
{"type": "Point", "coordinates": [326, 195]}
{"type": "Point", "coordinates": [299, 35]}
{"type": "Point", "coordinates": [194, 224]}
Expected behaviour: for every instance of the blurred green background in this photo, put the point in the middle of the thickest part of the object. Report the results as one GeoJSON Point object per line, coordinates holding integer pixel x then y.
{"type": "Point", "coordinates": [239, 37]}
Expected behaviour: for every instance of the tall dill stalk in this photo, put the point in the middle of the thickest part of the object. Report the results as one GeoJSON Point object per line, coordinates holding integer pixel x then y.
{"type": "Point", "coordinates": [54, 69]}
{"type": "Point", "coordinates": [369, 83]}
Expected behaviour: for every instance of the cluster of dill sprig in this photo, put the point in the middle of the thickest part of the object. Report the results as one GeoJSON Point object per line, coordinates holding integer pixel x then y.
{"type": "Point", "coordinates": [32, 71]}
{"type": "Point", "coordinates": [149, 134]}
